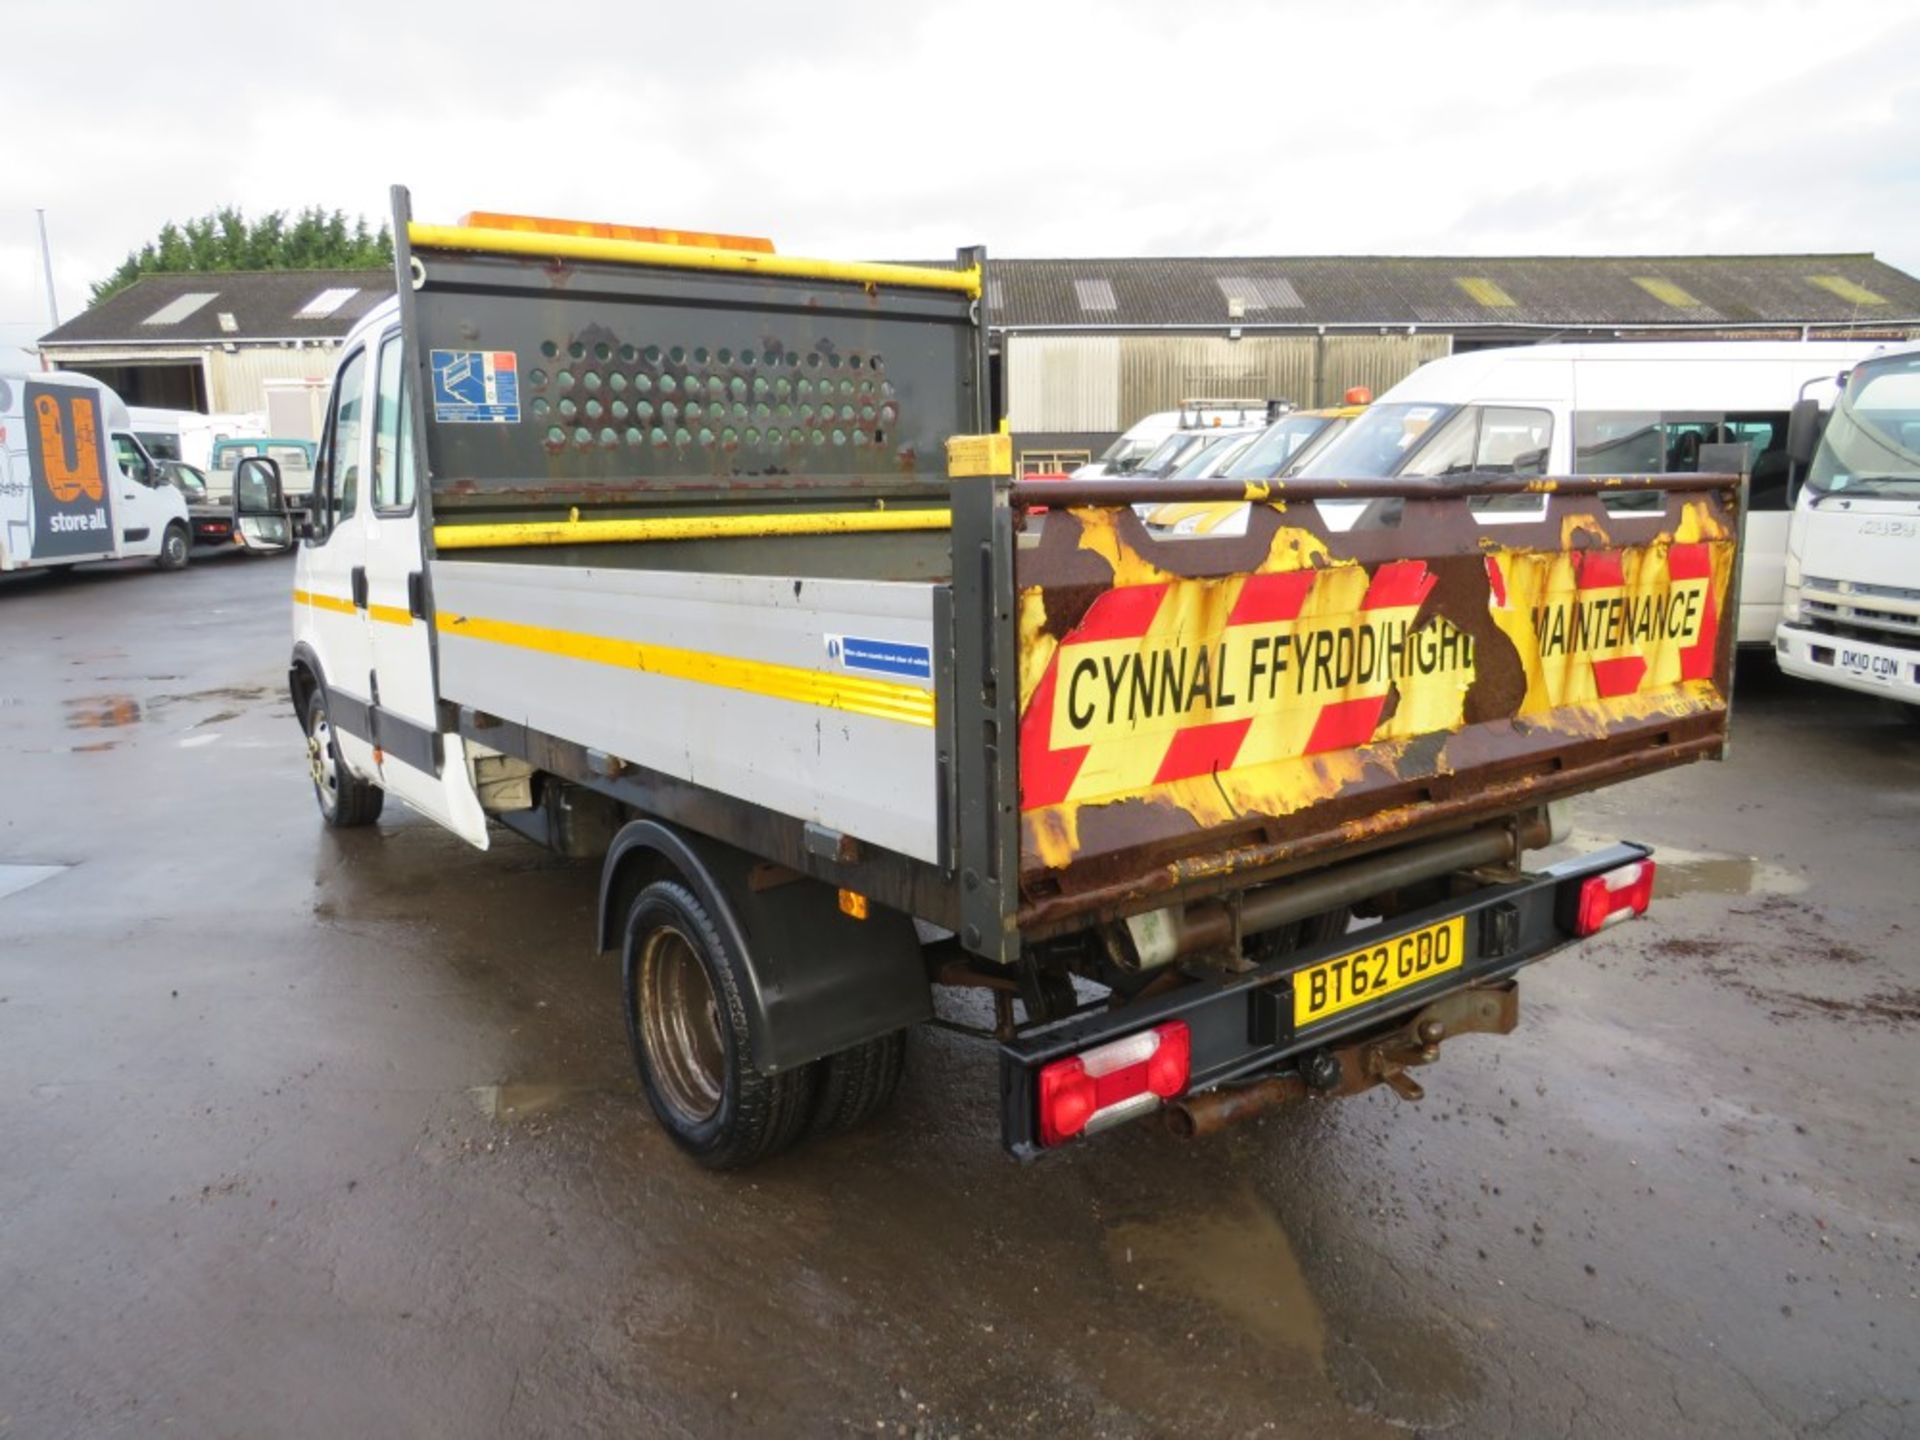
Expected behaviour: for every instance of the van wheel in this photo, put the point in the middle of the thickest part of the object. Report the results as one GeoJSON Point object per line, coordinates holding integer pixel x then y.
{"type": "Point", "coordinates": [682, 984]}
{"type": "Point", "coordinates": [858, 1083]}
{"type": "Point", "coordinates": [174, 549]}
{"type": "Point", "coordinates": [345, 800]}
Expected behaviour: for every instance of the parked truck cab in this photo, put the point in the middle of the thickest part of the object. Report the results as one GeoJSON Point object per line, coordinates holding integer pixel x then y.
{"type": "Point", "coordinates": [1852, 607]}
{"type": "Point", "coordinates": [76, 484]}
{"type": "Point", "coordinates": [698, 560]}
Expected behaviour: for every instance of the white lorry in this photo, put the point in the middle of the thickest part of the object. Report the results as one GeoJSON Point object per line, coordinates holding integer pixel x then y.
{"type": "Point", "coordinates": [76, 485]}
{"type": "Point", "coordinates": [1607, 409]}
{"type": "Point", "coordinates": [697, 560]}
{"type": "Point", "coordinates": [1851, 614]}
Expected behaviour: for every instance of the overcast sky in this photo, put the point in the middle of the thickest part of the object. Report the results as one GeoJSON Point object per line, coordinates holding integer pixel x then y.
{"type": "Point", "coordinates": [894, 130]}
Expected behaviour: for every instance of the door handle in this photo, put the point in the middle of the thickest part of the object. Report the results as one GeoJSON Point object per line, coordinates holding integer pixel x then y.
{"type": "Point", "coordinates": [358, 579]}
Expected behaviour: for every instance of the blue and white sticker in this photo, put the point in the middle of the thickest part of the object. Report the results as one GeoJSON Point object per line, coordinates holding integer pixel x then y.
{"type": "Point", "coordinates": [881, 657]}
{"type": "Point", "coordinates": [476, 387]}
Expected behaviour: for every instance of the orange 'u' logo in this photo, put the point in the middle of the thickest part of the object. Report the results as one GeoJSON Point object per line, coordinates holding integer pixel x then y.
{"type": "Point", "coordinates": [69, 482]}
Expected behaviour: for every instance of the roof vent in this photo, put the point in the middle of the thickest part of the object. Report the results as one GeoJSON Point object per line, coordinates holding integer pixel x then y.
{"type": "Point", "coordinates": [1095, 295]}
{"type": "Point", "coordinates": [1268, 292]}
{"type": "Point", "coordinates": [180, 307]}
{"type": "Point", "coordinates": [1484, 292]}
{"type": "Point", "coordinates": [1851, 291]}
{"type": "Point", "coordinates": [1666, 292]}
{"type": "Point", "coordinates": [325, 303]}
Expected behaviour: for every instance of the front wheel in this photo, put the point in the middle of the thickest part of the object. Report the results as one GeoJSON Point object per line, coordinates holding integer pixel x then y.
{"type": "Point", "coordinates": [687, 1023]}
{"type": "Point", "coordinates": [345, 800]}
{"type": "Point", "coordinates": [173, 548]}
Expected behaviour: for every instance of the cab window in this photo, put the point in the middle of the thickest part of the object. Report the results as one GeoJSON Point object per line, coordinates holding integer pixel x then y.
{"type": "Point", "coordinates": [392, 450]}
{"type": "Point", "coordinates": [339, 476]}
{"type": "Point", "coordinates": [1488, 440]}
{"type": "Point", "coordinates": [133, 460]}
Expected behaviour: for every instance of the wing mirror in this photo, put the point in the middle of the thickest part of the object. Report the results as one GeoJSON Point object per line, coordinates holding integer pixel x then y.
{"type": "Point", "coordinates": [256, 487]}
{"type": "Point", "coordinates": [1803, 431]}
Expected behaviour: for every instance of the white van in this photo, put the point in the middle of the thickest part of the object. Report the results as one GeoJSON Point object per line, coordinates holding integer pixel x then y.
{"type": "Point", "coordinates": [76, 485]}
{"type": "Point", "coordinates": [1600, 409]}
{"type": "Point", "coordinates": [187, 435]}
{"type": "Point", "coordinates": [1145, 436]}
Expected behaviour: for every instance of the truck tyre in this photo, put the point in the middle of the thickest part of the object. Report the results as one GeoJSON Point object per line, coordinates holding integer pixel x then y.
{"type": "Point", "coordinates": [858, 1083]}
{"type": "Point", "coordinates": [345, 800]}
{"type": "Point", "coordinates": [682, 984]}
{"type": "Point", "coordinates": [174, 548]}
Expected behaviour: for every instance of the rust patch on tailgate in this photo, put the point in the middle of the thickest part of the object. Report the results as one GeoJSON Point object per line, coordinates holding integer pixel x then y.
{"type": "Point", "coordinates": [1193, 708]}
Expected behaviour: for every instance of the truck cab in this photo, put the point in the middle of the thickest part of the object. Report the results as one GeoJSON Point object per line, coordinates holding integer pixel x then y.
{"type": "Point", "coordinates": [1851, 611]}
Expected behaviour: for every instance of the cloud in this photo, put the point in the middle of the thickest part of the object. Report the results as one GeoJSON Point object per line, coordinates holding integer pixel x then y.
{"type": "Point", "coordinates": [874, 129]}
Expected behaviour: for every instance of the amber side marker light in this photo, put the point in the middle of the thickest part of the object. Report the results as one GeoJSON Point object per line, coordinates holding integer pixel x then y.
{"type": "Point", "coordinates": [599, 230]}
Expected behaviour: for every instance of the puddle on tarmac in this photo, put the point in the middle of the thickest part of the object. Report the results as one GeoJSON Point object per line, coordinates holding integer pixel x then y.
{"type": "Point", "coordinates": [516, 1102]}
{"type": "Point", "coordinates": [1683, 872]}
{"type": "Point", "coordinates": [102, 712]}
{"type": "Point", "coordinates": [1236, 1259]}
{"type": "Point", "coordinates": [15, 878]}
{"type": "Point", "coordinates": [1705, 872]}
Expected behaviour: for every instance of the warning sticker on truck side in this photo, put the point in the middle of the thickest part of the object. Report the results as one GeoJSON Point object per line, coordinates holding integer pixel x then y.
{"type": "Point", "coordinates": [881, 657]}
{"type": "Point", "coordinates": [476, 387]}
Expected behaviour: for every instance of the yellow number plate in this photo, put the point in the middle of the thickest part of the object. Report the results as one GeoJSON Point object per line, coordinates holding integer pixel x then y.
{"type": "Point", "coordinates": [1325, 990]}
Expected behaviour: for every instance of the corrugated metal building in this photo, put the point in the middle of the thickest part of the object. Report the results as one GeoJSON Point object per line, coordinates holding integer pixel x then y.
{"type": "Point", "coordinates": [1083, 348]}
{"type": "Point", "coordinates": [1086, 347]}
{"type": "Point", "coordinates": [218, 342]}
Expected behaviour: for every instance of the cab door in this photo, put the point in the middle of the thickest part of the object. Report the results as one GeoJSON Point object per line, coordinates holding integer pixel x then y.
{"type": "Point", "coordinates": [330, 587]}
{"type": "Point", "coordinates": [420, 762]}
{"type": "Point", "coordinates": [140, 511]}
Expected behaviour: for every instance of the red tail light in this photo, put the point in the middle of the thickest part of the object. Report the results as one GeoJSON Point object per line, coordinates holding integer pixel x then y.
{"type": "Point", "coordinates": [1617, 895]}
{"type": "Point", "coordinates": [1114, 1082]}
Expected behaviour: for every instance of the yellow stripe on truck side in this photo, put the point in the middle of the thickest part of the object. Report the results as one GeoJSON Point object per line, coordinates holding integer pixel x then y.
{"type": "Point", "coordinates": [337, 603]}
{"type": "Point", "coordinates": [386, 614]}
{"type": "Point", "coordinates": [880, 699]}
{"type": "Point", "coordinates": [687, 257]}
{"type": "Point", "coordinates": [686, 527]}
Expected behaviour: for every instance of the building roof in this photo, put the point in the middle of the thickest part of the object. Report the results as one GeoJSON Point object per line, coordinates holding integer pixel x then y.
{"type": "Point", "coordinates": [1457, 293]}
{"type": "Point", "coordinates": [229, 306]}
{"type": "Point", "coordinates": [1451, 293]}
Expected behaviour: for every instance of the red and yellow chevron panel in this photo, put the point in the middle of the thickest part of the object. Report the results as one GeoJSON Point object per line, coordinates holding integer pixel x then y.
{"type": "Point", "coordinates": [1216, 698]}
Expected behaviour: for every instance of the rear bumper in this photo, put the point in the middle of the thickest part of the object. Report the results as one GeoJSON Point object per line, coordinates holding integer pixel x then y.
{"type": "Point", "coordinates": [1242, 1025]}
{"type": "Point", "coordinates": [1862, 665]}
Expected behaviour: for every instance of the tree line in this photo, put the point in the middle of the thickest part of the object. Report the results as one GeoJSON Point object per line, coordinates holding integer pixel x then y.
{"type": "Point", "coordinates": [312, 239]}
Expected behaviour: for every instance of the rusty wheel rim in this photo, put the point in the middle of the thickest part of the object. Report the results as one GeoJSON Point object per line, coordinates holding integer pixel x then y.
{"type": "Point", "coordinates": [320, 763]}
{"type": "Point", "coordinates": [680, 1026]}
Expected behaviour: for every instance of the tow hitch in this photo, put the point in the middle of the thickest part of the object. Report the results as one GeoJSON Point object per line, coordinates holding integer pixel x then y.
{"type": "Point", "coordinates": [1379, 1059]}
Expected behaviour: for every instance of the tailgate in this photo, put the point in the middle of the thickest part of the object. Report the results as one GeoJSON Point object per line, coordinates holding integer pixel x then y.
{"type": "Point", "coordinates": [1193, 714]}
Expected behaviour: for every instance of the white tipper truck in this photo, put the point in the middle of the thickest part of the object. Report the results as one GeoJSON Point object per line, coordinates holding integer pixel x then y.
{"type": "Point", "coordinates": [1851, 614]}
{"type": "Point", "coordinates": [702, 561]}
{"type": "Point", "coordinates": [76, 485]}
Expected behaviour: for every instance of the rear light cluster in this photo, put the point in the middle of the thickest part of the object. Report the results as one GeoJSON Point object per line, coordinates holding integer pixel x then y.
{"type": "Point", "coordinates": [1114, 1083]}
{"type": "Point", "coordinates": [1617, 895]}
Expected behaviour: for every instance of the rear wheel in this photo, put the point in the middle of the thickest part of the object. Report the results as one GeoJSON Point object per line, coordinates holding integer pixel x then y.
{"type": "Point", "coordinates": [683, 985]}
{"type": "Point", "coordinates": [173, 548]}
{"type": "Point", "coordinates": [857, 1084]}
{"type": "Point", "coordinates": [345, 800]}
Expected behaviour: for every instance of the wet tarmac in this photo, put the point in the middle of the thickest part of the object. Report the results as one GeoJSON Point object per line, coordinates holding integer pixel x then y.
{"type": "Point", "coordinates": [312, 1134]}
